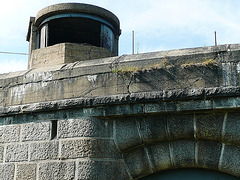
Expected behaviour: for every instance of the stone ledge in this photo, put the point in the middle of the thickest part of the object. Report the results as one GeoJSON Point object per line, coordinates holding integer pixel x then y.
{"type": "Point", "coordinates": [162, 101]}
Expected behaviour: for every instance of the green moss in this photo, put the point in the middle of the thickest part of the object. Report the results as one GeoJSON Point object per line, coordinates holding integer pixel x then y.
{"type": "Point", "coordinates": [205, 62]}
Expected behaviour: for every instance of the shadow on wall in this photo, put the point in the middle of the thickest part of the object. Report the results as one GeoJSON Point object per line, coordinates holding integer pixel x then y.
{"type": "Point", "coordinates": [190, 174]}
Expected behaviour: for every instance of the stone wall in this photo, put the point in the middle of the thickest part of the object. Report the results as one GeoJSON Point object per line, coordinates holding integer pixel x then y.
{"type": "Point", "coordinates": [66, 53]}
{"type": "Point", "coordinates": [123, 117]}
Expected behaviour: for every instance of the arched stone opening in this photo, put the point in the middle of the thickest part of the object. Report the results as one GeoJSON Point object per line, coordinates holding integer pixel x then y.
{"type": "Point", "coordinates": [190, 174]}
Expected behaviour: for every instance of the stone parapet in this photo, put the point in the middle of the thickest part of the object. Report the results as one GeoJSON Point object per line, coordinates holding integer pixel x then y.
{"type": "Point", "coordinates": [168, 70]}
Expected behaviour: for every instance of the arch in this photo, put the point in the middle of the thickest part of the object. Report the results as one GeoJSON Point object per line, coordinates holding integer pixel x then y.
{"type": "Point", "coordinates": [194, 174]}
{"type": "Point", "coordinates": [183, 153]}
{"type": "Point", "coordinates": [155, 143]}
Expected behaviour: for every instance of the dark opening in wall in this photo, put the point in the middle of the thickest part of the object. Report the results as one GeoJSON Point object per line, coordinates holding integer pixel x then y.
{"type": "Point", "coordinates": [74, 30]}
{"type": "Point", "coordinates": [54, 129]}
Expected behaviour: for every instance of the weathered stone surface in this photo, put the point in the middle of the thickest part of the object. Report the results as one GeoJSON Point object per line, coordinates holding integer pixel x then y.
{"type": "Point", "coordinates": [153, 128]}
{"type": "Point", "coordinates": [202, 69]}
{"type": "Point", "coordinates": [126, 133]}
{"type": "Point", "coordinates": [208, 154]}
{"type": "Point", "coordinates": [180, 126]}
{"type": "Point", "coordinates": [183, 153]}
{"type": "Point", "coordinates": [124, 109]}
{"type": "Point", "coordinates": [209, 126]}
{"type": "Point", "coordinates": [43, 150]}
{"type": "Point", "coordinates": [230, 93]}
{"type": "Point", "coordinates": [88, 169]}
{"type": "Point", "coordinates": [7, 171]}
{"type": "Point", "coordinates": [26, 171]}
{"type": "Point", "coordinates": [230, 161]}
{"type": "Point", "coordinates": [160, 107]}
{"type": "Point", "coordinates": [232, 125]}
{"type": "Point", "coordinates": [84, 127]}
{"type": "Point", "coordinates": [90, 148]}
{"type": "Point", "coordinates": [36, 131]}
{"type": "Point", "coordinates": [1, 153]}
{"type": "Point", "coordinates": [56, 170]}
{"type": "Point", "coordinates": [10, 133]}
{"type": "Point", "coordinates": [16, 153]}
{"type": "Point", "coordinates": [66, 53]}
{"type": "Point", "coordinates": [159, 155]}
{"type": "Point", "coordinates": [194, 105]}
{"type": "Point", "coordinates": [137, 163]}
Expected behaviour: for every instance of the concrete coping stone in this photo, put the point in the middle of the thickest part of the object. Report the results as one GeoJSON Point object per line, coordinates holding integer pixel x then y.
{"type": "Point", "coordinates": [75, 7]}
{"type": "Point", "coordinates": [141, 59]}
{"type": "Point", "coordinates": [121, 99]}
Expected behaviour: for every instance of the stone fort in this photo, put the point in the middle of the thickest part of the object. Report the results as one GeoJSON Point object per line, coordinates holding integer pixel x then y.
{"type": "Point", "coordinates": [80, 111]}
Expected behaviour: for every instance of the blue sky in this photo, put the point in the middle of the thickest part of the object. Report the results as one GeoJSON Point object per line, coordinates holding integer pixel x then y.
{"type": "Point", "coordinates": [158, 25]}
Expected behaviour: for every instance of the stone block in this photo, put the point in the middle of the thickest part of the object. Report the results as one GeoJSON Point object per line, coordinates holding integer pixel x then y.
{"type": "Point", "coordinates": [159, 155]}
{"type": "Point", "coordinates": [124, 109]}
{"type": "Point", "coordinates": [230, 161]}
{"type": "Point", "coordinates": [160, 107]}
{"type": "Point", "coordinates": [96, 111]}
{"type": "Point", "coordinates": [9, 133]}
{"type": "Point", "coordinates": [137, 163]}
{"type": "Point", "coordinates": [153, 128]}
{"type": "Point", "coordinates": [36, 131]}
{"type": "Point", "coordinates": [88, 169]}
{"type": "Point", "coordinates": [232, 126]}
{"type": "Point", "coordinates": [194, 105]}
{"type": "Point", "coordinates": [7, 171]}
{"type": "Point", "coordinates": [16, 153]}
{"type": "Point", "coordinates": [90, 148]}
{"type": "Point", "coordinates": [1, 153]}
{"type": "Point", "coordinates": [183, 153]}
{"type": "Point", "coordinates": [126, 133]}
{"type": "Point", "coordinates": [209, 126]}
{"type": "Point", "coordinates": [208, 154]}
{"type": "Point", "coordinates": [43, 150]}
{"type": "Point", "coordinates": [180, 126]}
{"type": "Point", "coordinates": [84, 127]}
{"type": "Point", "coordinates": [56, 170]}
{"type": "Point", "coordinates": [224, 103]}
{"type": "Point", "coordinates": [26, 171]}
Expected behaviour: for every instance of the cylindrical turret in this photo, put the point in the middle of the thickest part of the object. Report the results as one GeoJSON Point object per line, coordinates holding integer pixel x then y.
{"type": "Point", "coordinates": [82, 24]}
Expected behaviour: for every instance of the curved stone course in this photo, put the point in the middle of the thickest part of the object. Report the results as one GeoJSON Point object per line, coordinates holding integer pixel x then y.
{"type": "Point", "coordinates": [183, 154]}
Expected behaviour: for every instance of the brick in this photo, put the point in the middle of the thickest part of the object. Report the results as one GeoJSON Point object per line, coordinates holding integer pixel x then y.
{"type": "Point", "coordinates": [85, 127]}
{"type": "Point", "coordinates": [9, 133]}
{"type": "Point", "coordinates": [43, 150]}
{"type": "Point", "coordinates": [91, 148]}
{"type": "Point", "coordinates": [36, 131]}
{"type": "Point", "coordinates": [26, 171]}
{"type": "Point", "coordinates": [56, 170]}
{"type": "Point", "coordinates": [7, 171]}
{"type": "Point", "coordinates": [16, 153]}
